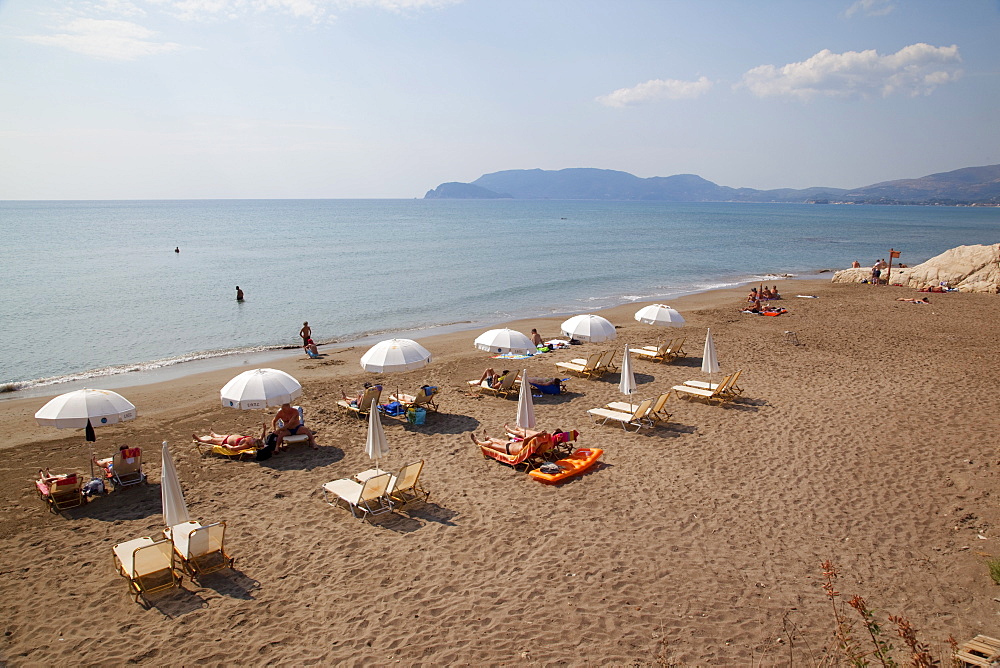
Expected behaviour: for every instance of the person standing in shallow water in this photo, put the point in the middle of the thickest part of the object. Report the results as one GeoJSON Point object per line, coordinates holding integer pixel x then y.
{"type": "Point", "coordinates": [239, 294]}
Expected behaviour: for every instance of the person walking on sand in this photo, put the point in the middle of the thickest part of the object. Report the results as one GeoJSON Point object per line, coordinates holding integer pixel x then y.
{"type": "Point", "coordinates": [239, 294]}
{"type": "Point", "coordinates": [306, 334]}
{"type": "Point", "coordinates": [876, 273]}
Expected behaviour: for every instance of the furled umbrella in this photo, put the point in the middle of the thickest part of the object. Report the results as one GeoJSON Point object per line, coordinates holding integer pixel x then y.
{"type": "Point", "coordinates": [660, 315]}
{"type": "Point", "coordinates": [375, 445]}
{"type": "Point", "coordinates": [260, 388]}
{"type": "Point", "coordinates": [505, 340]}
{"type": "Point", "coordinates": [86, 409]}
{"type": "Point", "coordinates": [589, 327]}
{"type": "Point", "coordinates": [394, 355]}
{"type": "Point", "coordinates": [525, 406]}
{"type": "Point", "coordinates": [174, 507]}
{"type": "Point", "coordinates": [709, 361]}
{"type": "Point", "coordinates": [627, 383]}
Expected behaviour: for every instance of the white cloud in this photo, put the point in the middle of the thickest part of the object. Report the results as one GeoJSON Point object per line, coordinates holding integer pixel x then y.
{"type": "Point", "coordinates": [105, 39]}
{"type": "Point", "coordinates": [870, 8]}
{"type": "Point", "coordinates": [656, 89]}
{"type": "Point", "coordinates": [913, 70]}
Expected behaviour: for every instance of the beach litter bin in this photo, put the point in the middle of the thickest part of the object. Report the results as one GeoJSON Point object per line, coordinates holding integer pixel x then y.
{"type": "Point", "coordinates": [416, 415]}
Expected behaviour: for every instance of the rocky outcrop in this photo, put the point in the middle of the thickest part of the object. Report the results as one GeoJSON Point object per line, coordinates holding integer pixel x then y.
{"type": "Point", "coordinates": [968, 268]}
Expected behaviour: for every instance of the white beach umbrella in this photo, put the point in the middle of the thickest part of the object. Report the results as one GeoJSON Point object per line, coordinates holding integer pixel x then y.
{"type": "Point", "coordinates": [376, 445]}
{"type": "Point", "coordinates": [74, 410]}
{"type": "Point", "coordinates": [86, 409]}
{"type": "Point", "coordinates": [589, 327]}
{"type": "Point", "coordinates": [505, 341]}
{"type": "Point", "coordinates": [661, 315]}
{"type": "Point", "coordinates": [395, 355]}
{"type": "Point", "coordinates": [627, 383]}
{"type": "Point", "coordinates": [260, 388]}
{"type": "Point", "coordinates": [525, 406]}
{"type": "Point", "coordinates": [709, 361]}
{"type": "Point", "coordinates": [174, 507]}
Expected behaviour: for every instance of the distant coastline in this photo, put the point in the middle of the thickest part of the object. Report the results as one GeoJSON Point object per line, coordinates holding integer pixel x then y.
{"type": "Point", "coordinates": [970, 186]}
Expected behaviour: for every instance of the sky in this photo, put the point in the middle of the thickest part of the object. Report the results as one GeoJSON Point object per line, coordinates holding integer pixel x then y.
{"type": "Point", "coordinates": [188, 99]}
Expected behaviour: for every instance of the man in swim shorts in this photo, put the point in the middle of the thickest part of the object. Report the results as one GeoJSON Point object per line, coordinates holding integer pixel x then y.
{"type": "Point", "coordinates": [289, 416]}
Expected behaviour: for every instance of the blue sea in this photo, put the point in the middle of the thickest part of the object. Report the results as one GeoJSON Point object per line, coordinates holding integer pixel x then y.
{"type": "Point", "coordinates": [94, 288]}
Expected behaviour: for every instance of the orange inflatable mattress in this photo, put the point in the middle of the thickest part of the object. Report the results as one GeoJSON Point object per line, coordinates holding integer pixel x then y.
{"type": "Point", "coordinates": [576, 463]}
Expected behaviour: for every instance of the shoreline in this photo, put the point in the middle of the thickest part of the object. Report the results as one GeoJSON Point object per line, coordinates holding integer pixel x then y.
{"type": "Point", "coordinates": [166, 369]}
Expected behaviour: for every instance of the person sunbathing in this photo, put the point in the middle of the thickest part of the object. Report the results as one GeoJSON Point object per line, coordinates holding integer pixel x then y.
{"type": "Point", "coordinates": [233, 442]}
{"type": "Point", "coordinates": [357, 400]}
{"type": "Point", "coordinates": [292, 425]}
{"type": "Point", "coordinates": [514, 445]}
{"type": "Point", "coordinates": [492, 378]}
{"type": "Point", "coordinates": [913, 301]}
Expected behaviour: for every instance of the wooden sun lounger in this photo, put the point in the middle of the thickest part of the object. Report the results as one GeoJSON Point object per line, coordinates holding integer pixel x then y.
{"type": "Point", "coordinates": [364, 406]}
{"type": "Point", "coordinates": [719, 393]}
{"type": "Point", "coordinates": [506, 385]}
{"type": "Point", "coordinates": [638, 418]}
{"type": "Point", "coordinates": [656, 412]}
{"type": "Point", "coordinates": [588, 368]}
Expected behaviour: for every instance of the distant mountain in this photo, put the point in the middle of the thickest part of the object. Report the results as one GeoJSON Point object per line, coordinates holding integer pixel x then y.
{"type": "Point", "coordinates": [969, 185]}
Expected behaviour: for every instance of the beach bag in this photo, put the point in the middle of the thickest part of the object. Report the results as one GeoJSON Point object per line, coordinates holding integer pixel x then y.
{"type": "Point", "coordinates": [271, 442]}
{"type": "Point", "coordinates": [93, 488]}
{"type": "Point", "coordinates": [393, 408]}
{"type": "Point", "coordinates": [416, 415]}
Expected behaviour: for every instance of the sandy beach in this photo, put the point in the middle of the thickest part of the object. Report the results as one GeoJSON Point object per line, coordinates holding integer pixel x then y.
{"type": "Point", "coordinates": [870, 444]}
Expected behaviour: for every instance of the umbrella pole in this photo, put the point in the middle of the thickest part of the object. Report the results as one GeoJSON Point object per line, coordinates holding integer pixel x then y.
{"type": "Point", "coordinates": [91, 446]}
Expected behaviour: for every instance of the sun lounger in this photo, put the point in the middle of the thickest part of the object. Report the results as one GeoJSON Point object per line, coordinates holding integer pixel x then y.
{"type": "Point", "coordinates": [424, 398]}
{"type": "Point", "coordinates": [364, 499]}
{"type": "Point", "coordinates": [148, 566]}
{"type": "Point", "coordinates": [731, 387]}
{"type": "Point", "coordinates": [656, 413]}
{"type": "Point", "coordinates": [205, 449]}
{"type": "Point", "coordinates": [201, 549]}
{"type": "Point", "coordinates": [60, 492]}
{"type": "Point", "coordinates": [668, 352]}
{"type": "Point", "coordinates": [636, 418]}
{"type": "Point", "coordinates": [588, 368]}
{"type": "Point", "coordinates": [404, 487]}
{"type": "Point", "coordinates": [295, 438]}
{"type": "Point", "coordinates": [530, 453]}
{"type": "Point", "coordinates": [506, 385]}
{"type": "Point", "coordinates": [718, 393]}
{"type": "Point", "coordinates": [607, 363]}
{"type": "Point", "coordinates": [364, 405]}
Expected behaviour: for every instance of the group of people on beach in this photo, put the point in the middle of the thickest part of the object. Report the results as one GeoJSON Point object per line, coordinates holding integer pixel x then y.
{"type": "Point", "coordinates": [287, 422]}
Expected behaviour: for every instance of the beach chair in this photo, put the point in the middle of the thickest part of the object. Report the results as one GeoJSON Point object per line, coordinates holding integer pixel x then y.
{"type": "Point", "coordinates": [148, 566]}
{"type": "Point", "coordinates": [506, 385]}
{"type": "Point", "coordinates": [718, 393]}
{"type": "Point", "coordinates": [607, 363]}
{"type": "Point", "coordinates": [637, 418]}
{"type": "Point", "coordinates": [655, 353]}
{"type": "Point", "coordinates": [365, 499]}
{"type": "Point", "coordinates": [365, 404]}
{"type": "Point", "coordinates": [676, 349]}
{"type": "Point", "coordinates": [60, 492]}
{"type": "Point", "coordinates": [531, 453]}
{"type": "Point", "coordinates": [404, 487]}
{"type": "Point", "coordinates": [295, 438]}
{"type": "Point", "coordinates": [126, 468]}
{"type": "Point", "coordinates": [731, 388]}
{"type": "Point", "coordinates": [424, 398]}
{"type": "Point", "coordinates": [656, 413]}
{"type": "Point", "coordinates": [201, 549]}
{"type": "Point", "coordinates": [587, 368]}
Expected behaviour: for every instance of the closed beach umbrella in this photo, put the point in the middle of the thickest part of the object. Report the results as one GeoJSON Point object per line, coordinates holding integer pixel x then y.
{"type": "Point", "coordinates": [525, 406]}
{"type": "Point", "coordinates": [85, 409]}
{"type": "Point", "coordinates": [260, 388]}
{"type": "Point", "coordinates": [660, 315]}
{"type": "Point", "coordinates": [709, 361]}
{"type": "Point", "coordinates": [376, 445]}
{"type": "Point", "coordinates": [174, 508]}
{"type": "Point", "coordinates": [627, 383]}
{"type": "Point", "coordinates": [395, 355]}
{"type": "Point", "coordinates": [505, 341]}
{"type": "Point", "coordinates": [589, 327]}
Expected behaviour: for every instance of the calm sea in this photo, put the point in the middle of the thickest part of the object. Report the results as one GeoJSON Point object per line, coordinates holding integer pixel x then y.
{"type": "Point", "coordinates": [95, 288]}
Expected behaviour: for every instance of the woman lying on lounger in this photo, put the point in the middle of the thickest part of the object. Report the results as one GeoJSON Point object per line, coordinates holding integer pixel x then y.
{"type": "Point", "coordinates": [513, 446]}
{"type": "Point", "coordinates": [494, 379]}
{"type": "Point", "coordinates": [233, 442]}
